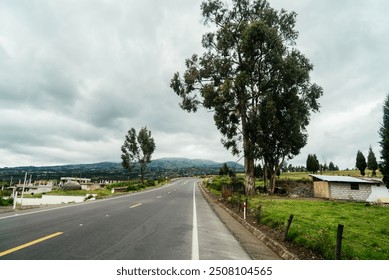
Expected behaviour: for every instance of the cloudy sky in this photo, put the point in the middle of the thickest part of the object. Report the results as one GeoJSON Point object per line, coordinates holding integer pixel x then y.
{"type": "Point", "coordinates": [76, 75]}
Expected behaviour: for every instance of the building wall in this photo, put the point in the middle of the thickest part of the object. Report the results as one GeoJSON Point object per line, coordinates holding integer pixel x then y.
{"type": "Point", "coordinates": [321, 189]}
{"type": "Point", "coordinates": [344, 191]}
{"type": "Point", "coordinates": [379, 193]}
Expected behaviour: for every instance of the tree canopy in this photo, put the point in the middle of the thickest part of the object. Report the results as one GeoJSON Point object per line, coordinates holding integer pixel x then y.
{"type": "Point", "coordinates": [137, 148]}
{"type": "Point", "coordinates": [372, 162]}
{"type": "Point", "coordinates": [361, 163]}
{"type": "Point", "coordinates": [254, 80]}
{"type": "Point", "coordinates": [313, 164]}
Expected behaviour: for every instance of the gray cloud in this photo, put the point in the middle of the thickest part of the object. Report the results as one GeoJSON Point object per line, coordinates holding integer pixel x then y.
{"type": "Point", "coordinates": [76, 75]}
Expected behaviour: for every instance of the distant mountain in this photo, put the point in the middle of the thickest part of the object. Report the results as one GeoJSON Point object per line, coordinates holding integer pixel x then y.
{"type": "Point", "coordinates": [163, 167]}
{"type": "Point", "coordinates": [177, 163]}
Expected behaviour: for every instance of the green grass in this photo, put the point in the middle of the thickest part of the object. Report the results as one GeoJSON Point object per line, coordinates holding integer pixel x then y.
{"type": "Point", "coordinates": [305, 175]}
{"type": "Point", "coordinates": [100, 193]}
{"type": "Point", "coordinates": [315, 223]}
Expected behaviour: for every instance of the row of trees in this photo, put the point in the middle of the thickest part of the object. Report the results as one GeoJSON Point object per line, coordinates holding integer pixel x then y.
{"type": "Point", "coordinates": [254, 80]}
{"type": "Point", "coordinates": [314, 166]}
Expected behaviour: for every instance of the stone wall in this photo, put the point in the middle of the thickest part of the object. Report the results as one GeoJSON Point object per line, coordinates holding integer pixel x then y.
{"type": "Point", "coordinates": [302, 188]}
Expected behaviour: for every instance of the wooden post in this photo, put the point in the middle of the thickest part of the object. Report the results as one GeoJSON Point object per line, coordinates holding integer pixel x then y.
{"type": "Point", "coordinates": [288, 227]}
{"type": "Point", "coordinates": [259, 214]}
{"type": "Point", "coordinates": [339, 238]}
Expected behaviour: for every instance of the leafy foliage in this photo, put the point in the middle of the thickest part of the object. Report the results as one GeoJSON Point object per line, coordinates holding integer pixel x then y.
{"type": "Point", "coordinates": [253, 80]}
{"type": "Point", "coordinates": [372, 162]}
{"type": "Point", "coordinates": [384, 134]}
{"type": "Point", "coordinates": [313, 164]}
{"type": "Point", "coordinates": [361, 163]}
{"type": "Point", "coordinates": [137, 148]}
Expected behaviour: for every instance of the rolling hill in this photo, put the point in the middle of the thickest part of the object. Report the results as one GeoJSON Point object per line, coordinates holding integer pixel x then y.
{"type": "Point", "coordinates": [164, 167]}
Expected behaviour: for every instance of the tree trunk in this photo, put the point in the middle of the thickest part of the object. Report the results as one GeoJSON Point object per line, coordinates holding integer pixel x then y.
{"type": "Point", "coordinates": [248, 150]}
{"type": "Point", "coordinates": [273, 181]}
{"type": "Point", "coordinates": [250, 177]}
{"type": "Point", "coordinates": [265, 176]}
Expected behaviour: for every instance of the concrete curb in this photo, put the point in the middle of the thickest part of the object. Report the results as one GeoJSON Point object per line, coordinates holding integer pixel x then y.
{"type": "Point", "coordinates": [269, 242]}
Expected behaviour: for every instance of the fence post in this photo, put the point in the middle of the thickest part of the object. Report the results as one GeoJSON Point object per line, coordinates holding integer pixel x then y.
{"type": "Point", "coordinates": [339, 238]}
{"type": "Point", "coordinates": [288, 226]}
{"type": "Point", "coordinates": [259, 214]}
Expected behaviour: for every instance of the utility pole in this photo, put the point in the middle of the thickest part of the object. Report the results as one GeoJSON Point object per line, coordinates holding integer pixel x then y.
{"type": "Point", "coordinates": [15, 195]}
{"type": "Point", "coordinates": [24, 185]}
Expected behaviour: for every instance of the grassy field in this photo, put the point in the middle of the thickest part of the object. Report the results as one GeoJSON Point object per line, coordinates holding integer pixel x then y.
{"type": "Point", "coordinates": [305, 175]}
{"type": "Point", "coordinates": [315, 223]}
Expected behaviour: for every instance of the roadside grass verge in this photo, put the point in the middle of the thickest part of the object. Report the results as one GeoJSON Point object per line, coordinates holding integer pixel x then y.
{"type": "Point", "coordinates": [315, 223]}
{"type": "Point", "coordinates": [305, 175]}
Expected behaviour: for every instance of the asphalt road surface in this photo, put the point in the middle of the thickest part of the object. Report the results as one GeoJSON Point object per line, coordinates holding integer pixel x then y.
{"type": "Point", "coordinates": [173, 222]}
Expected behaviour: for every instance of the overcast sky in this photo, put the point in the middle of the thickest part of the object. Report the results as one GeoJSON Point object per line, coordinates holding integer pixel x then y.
{"type": "Point", "coordinates": [76, 75]}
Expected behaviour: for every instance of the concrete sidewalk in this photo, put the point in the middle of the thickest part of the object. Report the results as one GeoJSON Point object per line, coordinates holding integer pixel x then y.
{"type": "Point", "coordinates": [257, 244]}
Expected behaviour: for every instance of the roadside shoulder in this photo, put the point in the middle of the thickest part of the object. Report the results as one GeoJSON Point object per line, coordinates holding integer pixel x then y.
{"type": "Point", "coordinates": [255, 242]}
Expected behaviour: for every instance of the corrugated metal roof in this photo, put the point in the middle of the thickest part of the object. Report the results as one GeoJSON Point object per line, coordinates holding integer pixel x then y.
{"type": "Point", "coordinates": [341, 179]}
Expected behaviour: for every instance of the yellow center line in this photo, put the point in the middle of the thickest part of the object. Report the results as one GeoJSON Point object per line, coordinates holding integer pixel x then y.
{"type": "Point", "coordinates": [136, 205]}
{"type": "Point", "coordinates": [29, 244]}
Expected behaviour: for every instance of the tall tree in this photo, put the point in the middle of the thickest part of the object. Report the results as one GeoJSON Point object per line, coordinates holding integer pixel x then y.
{"type": "Point", "coordinates": [331, 166]}
{"type": "Point", "coordinates": [225, 170]}
{"type": "Point", "coordinates": [372, 162]}
{"type": "Point", "coordinates": [384, 143]}
{"type": "Point", "coordinates": [253, 79]}
{"type": "Point", "coordinates": [313, 164]}
{"type": "Point", "coordinates": [137, 148]}
{"type": "Point", "coordinates": [361, 163]}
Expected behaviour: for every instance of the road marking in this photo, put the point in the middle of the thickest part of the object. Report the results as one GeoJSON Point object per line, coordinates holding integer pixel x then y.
{"type": "Point", "coordinates": [195, 235]}
{"type": "Point", "coordinates": [159, 196]}
{"type": "Point", "coordinates": [136, 205]}
{"type": "Point", "coordinates": [29, 244]}
{"type": "Point", "coordinates": [91, 202]}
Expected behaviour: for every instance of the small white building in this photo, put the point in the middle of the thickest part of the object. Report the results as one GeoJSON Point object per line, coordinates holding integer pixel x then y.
{"type": "Point", "coordinates": [349, 188]}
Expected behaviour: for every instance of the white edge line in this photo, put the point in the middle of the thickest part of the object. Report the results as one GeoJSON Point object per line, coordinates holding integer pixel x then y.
{"type": "Point", "coordinates": [195, 236]}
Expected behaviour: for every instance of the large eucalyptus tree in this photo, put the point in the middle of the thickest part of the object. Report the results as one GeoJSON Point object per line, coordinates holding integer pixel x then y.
{"type": "Point", "coordinates": [253, 80]}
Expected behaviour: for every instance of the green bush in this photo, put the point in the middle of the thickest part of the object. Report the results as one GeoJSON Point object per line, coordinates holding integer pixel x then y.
{"type": "Point", "coordinates": [150, 183]}
{"type": "Point", "coordinates": [6, 201]}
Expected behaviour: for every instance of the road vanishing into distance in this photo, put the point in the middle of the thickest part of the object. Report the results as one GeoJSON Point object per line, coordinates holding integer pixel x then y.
{"type": "Point", "coordinates": [173, 222]}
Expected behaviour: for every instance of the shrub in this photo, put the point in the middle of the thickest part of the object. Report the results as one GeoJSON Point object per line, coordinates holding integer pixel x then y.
{"type": "Point", "coordinates": [6, 201]}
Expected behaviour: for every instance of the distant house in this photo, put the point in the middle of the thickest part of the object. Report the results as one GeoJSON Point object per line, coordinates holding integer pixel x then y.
{"type": "Point", "coordinates": [349, 188]}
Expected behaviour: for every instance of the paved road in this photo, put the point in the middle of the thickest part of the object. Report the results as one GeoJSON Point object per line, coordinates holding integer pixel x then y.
{"type": "Point", "coordinates": [172, 222]}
